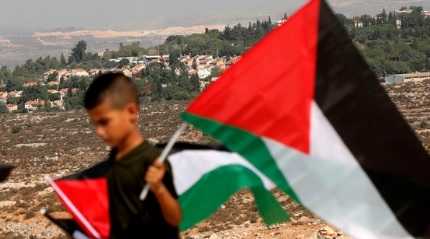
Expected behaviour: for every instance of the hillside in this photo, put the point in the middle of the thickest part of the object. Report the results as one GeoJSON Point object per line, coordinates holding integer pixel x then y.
{"type": "Point", "coordinates": [59, 143]}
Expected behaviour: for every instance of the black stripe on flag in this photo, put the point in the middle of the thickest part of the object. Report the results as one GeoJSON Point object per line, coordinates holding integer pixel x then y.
{"type": "Point", "coordinates": [368, 122]}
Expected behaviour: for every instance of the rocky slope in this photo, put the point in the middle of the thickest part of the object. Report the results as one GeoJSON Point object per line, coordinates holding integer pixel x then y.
{"type": "Point", "coordinates": [56, 144]}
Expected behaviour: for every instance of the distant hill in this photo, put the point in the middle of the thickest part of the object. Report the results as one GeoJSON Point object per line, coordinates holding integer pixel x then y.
{"type": "Point", "coordinates": [359, 7]}
{"type": "Point", "coordinates": [16, 48]}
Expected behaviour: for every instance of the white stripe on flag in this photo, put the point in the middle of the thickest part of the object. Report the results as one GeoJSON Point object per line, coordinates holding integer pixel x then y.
{"type": "Point", "coordinates": [331, 183]}
{"type": "Point", "coordinates": [189, 166]}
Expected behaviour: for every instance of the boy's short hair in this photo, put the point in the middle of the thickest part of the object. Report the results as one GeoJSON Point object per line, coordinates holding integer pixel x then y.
{"type": "Point", "coordinates": [115, 86]}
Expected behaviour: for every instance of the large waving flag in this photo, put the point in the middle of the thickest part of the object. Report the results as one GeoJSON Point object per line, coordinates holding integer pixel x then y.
{"type": "Point", "coordinates": [304, 109]}
{"type": "Point", "coordinates": [204, 177]}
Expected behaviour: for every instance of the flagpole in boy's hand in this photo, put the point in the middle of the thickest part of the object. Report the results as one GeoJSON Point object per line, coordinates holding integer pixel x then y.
{"type": "Point", "coordinates": [163, 156]}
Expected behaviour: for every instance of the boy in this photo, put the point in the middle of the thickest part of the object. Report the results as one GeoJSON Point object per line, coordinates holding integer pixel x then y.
{"type": "Point", "coordinates": [112, 104]}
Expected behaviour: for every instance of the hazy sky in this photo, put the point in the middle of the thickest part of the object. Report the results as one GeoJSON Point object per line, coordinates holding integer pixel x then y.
{"type": "Point", "coordinates": [130, 13]}
{"type": "Point", "coordinates": [141, 14]}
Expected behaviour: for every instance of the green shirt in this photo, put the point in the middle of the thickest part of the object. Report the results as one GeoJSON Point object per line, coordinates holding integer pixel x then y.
{"type": "Point", "coordinates": [131, 217]}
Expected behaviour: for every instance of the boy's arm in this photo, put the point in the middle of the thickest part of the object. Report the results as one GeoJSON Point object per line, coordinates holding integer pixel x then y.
{"type": "Point", "coordinates": [169, 205]}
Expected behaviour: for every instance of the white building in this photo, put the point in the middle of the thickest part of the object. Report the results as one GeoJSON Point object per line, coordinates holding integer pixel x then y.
{"type": "Point", "coordinates": [398, 24]}
{"type": "Point", "coordinates": [79, 73]}
{"type": "Point", "coordinates": [204, 72]}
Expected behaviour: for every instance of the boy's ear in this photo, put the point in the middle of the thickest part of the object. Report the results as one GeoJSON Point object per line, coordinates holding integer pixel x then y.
{"type": "Point", "coordinates": [133, 110]}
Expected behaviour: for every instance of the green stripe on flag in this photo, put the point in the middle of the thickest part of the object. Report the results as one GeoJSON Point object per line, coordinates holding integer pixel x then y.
{"type": "Point", "coordinates": [251, 147]}
{"type": "Point", "coordinates": [216, 187]}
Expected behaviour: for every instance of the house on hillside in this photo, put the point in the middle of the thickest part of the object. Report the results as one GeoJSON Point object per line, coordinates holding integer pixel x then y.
{"type": "Point", "coordinates": [53, 83]}
{"type": "Point", "coordinates": [48, 73]}
{"type": "Point", "coordinates": [63, 92]}
{"type": "Point", "coordinates": [187, 60]}
{"type": "Point", "coordinates": [67, 74]}
{"type": "Point", "coordinates": [404, 11]}
{"type": "Point", "coordinates": [58, 104]}
{"type": "Point", "coordinates": [51, 91]}
{"type": "Point", "coordinates": [232, 60]}
{"type": "Point", "coordinates": [192, 72]}
{"type": "Point", "coordinates": [137, 69]}
{"type": "Point", "coordinates": [156, 58]}
{"type": "Point", "coordinates": [127, 72]}
{"type": "Point", "coordinates": [15, 94]}
{"type": "Point", "coordinates": [79, 73]}
{"type": "Point", "coordinates": [221, 63]}
{"type": "Point", "coordinates": [130, 59]}
{"type": "Point", "coordinates": [30, 83]}
{"type": "Point", "coordinates": [398, 24]}
{"type": "Point", "coordinates": [12, 107]}
{"type": "Point", "coordinates": [204, 72]}
{"type": "Point", "coordinates": [75, 90]}
{"type": "Point", "coordinates": [203, 59]}
{"type": "Point", "coordinates": [94, 72]}
{"type": "Point", "coordinates": [61, 74]}
{"type": "Point", "coordinates": [3, 96]}
{"type": "Point", "coordinates": [32, 105]}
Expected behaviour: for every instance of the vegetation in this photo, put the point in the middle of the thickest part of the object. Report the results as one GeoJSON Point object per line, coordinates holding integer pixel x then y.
{"type": "Point", "coordinates": [3, 108]}
{"type": "Point", "coordinates": [172, 83]}
{"type": "Point", "coordinates": [391, 42]}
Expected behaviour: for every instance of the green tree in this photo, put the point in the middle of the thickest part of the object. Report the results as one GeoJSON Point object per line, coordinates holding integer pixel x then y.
{"type": "Point", "coordinates": [13, 84]}
{"type": "Point", "coordinates": [63, 61]}
{"type": "Point", "coordinates": [35, 92]}
{"type": "Point", "coordinates": [123, 62]}
{"type": "Point", "coordinates": [78, 52]}
{"type": "Point", "coordinates": [3, 108]}
{"type": "Point", "coordinates": [194, 83]}
{"type": "Point", "coordinates": [174, 58]}
{"type": "Point", "coordinates": [13, 100]}
{"type": "Point", "coordinates": [215, 72]}
{"type": "Point", "coordinates": [52, 77]}
{"type": "Point", "coordinates": [54, 97]}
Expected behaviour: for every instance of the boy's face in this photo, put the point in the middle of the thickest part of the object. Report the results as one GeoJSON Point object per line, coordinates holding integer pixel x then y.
{"type": "Point", "coordinates": [113, 125]}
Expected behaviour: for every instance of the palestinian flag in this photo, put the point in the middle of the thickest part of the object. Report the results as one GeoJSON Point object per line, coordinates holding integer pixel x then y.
{"type": "Point", "coordinates": [85, 195]}
{"type": "Point", "coordinates": [207, 176]}
{"type": "Point", "coordinates": [204, 177]}
{"type": "Point", "coordinates": [5, 171]}
{"type": "Point", "coordinates": [304, 109]}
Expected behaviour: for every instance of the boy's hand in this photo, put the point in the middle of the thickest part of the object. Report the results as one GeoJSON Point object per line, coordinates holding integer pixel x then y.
{"type": "Point", "coordinates": [154, 176]}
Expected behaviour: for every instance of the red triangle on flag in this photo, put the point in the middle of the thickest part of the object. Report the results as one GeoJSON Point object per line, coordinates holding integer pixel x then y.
{"type": "Point", "coordinates": [269, 91]}
{"type": "Point", "coordinates": [88, 201]}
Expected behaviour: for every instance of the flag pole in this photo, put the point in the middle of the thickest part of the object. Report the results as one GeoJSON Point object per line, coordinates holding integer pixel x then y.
{"type": "Point", "coordinates": [163, 155]}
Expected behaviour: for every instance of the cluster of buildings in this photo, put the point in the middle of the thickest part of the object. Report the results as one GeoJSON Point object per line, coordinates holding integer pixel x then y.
{"type": "Point", "coordinates": [201, 65]}
{"type": "Point", "coordinates": [145, 59]}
